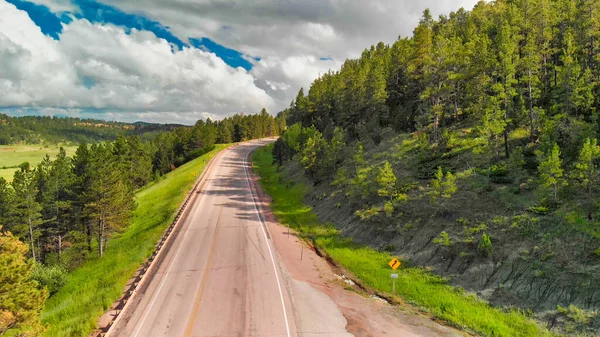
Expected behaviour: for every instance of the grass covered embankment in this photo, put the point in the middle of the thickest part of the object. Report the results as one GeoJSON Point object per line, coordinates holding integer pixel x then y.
{"type": "Point", "coordinates": [91, 289]}
{"type": "Point", "coordinates": [414, 285]}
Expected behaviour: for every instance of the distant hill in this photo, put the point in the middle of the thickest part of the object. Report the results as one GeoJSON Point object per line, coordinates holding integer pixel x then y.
{"type": "Point", "coordinates": [45, 129]}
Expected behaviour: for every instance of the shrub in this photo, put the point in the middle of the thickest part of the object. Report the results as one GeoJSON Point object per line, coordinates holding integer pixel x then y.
{"type": "Point", "coordinates": [485, 247]}
{"type": "Point", "coordinates": [53, 278]}
{"type": "Point", "coordinates": [539, 210]}
{"type": "Point", "coordinates": [368, 213]}
{"type": "Point", "coordinates": [443, 186]}
{"type": "Point", "coordinates": [498, 171]}
{"type": "Point", "coordinates": [389, 248]}
{"type": "Point", "coordinates": [576, 314]}
{"type": "Point", "coordinates": [388, 209]}
{"type": "Point", "coordinates": [443, 240]}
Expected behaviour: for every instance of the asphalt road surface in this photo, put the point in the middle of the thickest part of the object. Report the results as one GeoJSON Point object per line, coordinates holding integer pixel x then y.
{"type": "Point", "coordinates": [222, 276]}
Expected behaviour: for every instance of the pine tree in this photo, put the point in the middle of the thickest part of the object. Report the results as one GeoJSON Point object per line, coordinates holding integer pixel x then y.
{"type": "Point", "coordinates": [551, 172]}
{"type": "Point", "coordinates": [311, 152]}
{"type": "Point", "coordinates": [585, 171]}
{"type": "Point", "coordinates": [139, 162]}
{"type": "Point", "coordinates": [515, 165]}
{"type": "Point", "coordinates": [442, 186]}
{"type": "Point", "coordinates": [336, 145]}
{"type": "Point", "coordinates": [531, 66]}
{"type": "Point", "coordinates": [508, 58]}
{"type": "Point", "coordinates": [57, 200]}
{"type": "Point", "coordinates": [26, 216]}
{"type": "Point", "coordinates": [6, 201]}
{"type": "Point", "coordinates": [109, 199]}
{"type": "Point", "coordinates": [387, 181]}
{"type": "Point", "coordinates": [79, 190]}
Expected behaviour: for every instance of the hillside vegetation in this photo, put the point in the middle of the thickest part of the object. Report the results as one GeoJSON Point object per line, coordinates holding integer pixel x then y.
{"type": "Point", "coordinates": [469, 149]}
{"type": "Point", "coordinates": [419, 287]}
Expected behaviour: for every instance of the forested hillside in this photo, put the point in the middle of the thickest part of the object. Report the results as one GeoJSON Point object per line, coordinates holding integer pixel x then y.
{"type": "Point", "coordinates": [53, 130]}
{"type": "Point", "coordinates": [470, 148]}
{"type": "Point", "coordinates": [65, 210]}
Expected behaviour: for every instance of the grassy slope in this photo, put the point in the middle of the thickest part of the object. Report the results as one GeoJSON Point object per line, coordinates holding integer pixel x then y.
{"type": "Point", "coordinates": [14, 155]}
{"type": "Point", "coordinates": [414, 285]}
{"type": "Point", "coordinates": [91, 289]}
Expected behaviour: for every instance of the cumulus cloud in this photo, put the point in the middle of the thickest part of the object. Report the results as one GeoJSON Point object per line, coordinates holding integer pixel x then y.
{"type": "Point", "coordinates": [292, 33]}
{"type": "Point", "coordinates": [104, 67]}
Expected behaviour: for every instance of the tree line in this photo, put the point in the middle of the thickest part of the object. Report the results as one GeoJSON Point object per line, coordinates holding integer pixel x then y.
{"type": "Point", "coordinates": [530, 67]}
{"type": "Point", "coordinates": [506, 64]}
{"type": "Point", "coordinates": [45, 129]}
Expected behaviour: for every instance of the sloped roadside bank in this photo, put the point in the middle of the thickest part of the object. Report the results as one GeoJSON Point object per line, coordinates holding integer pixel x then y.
{"type": "Point", "coordinates": [414, 285]}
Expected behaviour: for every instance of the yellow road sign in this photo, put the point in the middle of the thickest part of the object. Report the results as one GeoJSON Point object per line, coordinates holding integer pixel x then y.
{"type": "Point", "coordinates": [395, 263]}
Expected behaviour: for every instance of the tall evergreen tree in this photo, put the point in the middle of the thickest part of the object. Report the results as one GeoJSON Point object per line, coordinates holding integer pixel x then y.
{"type": "Point", "coordinates": [109, 199]}
{"type": "Point", "coordinates": [26, 216]}
{"type": "Point", "coordinates": [551, 171]}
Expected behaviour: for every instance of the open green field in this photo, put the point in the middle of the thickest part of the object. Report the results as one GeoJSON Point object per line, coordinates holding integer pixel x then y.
{"type": "Point", "coordinates": [414, 285]}
{"type": "Point", "coordinates": [92, 288]}
{"type": "Point", "coordinates": [12, 156]}
{"type": "Point", "coordinates": [7, 174]}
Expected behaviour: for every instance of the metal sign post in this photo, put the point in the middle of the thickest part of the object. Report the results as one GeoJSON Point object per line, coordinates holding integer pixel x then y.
{"type": "Point", "coordinates": [394, 277]}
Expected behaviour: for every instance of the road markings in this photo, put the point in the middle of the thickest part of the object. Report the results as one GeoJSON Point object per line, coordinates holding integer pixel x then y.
{"type": "Point", "coordinates": [162, 283]}
{"type": "Point", "coordinates": [190, 326]}
{"type": "Point", "coordinates": [287, 326]}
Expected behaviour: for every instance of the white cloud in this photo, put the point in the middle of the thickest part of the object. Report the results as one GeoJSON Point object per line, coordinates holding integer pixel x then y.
{"type": "Point", "coordinates": [139, 72]}
{"type": "Point", "coordinates": [128, 72]}
{"type": "Point", "coordinates": [292, 35]}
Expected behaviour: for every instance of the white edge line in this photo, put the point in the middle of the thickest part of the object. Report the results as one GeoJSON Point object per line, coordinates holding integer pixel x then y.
{"type": "Point", "coordinates": [166, 275]}
{"type": "Point", "coordinates": [287, 326]}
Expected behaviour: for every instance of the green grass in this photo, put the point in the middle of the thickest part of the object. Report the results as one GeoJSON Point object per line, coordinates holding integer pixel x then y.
{"type": "Point", "coordinates": [414, 285]}
{"type": "Point", "coordinates": [12, 156]}
{"type": "Point", "coordinates": [92, 288]}
{"type": "Point", "coordinates": [8, 174]}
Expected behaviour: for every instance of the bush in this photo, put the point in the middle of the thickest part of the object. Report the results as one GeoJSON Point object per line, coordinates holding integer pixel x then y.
{"type": "Point", "coordinates": [53, 278]}
{"type": "Point", "coordinates": [443, 240]}
{"type": "Point", "coordinates": [388, 209]}
{"type": "Point", "coordinates": [539, 210]}
{"type": "Point", "coordinates": [367, 213]}
{"type": "Point", "coordinates": [485, 247]}
{"type": "Point", "coordinates": [499, 174]}
{"type": "Point", "coordinates": [389, 248]}
{"type": "Point", "coordinates": [576, 314]}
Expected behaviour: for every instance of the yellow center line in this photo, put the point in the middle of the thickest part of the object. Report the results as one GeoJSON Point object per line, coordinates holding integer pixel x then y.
{"type": "Point", "coordinates": [190, 326]}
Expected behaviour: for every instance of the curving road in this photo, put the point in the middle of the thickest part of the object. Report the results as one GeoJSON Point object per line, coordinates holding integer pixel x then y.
{"type": "Point", "coordinates": [221, 275]}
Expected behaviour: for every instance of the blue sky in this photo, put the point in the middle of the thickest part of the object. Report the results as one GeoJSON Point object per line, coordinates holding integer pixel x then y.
{"type": "Point", "coordinates": [97, 12]}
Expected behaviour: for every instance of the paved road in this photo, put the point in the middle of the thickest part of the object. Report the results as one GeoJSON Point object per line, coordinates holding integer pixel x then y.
{"type": "Point", "coordinates": [222, 276]}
